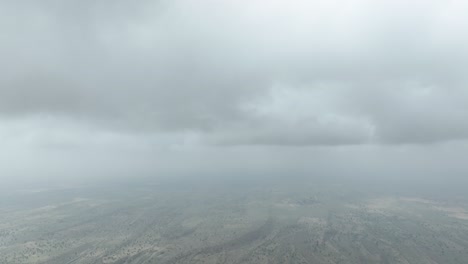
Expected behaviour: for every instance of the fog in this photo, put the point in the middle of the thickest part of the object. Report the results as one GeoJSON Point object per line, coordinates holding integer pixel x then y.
{"type": "Point", "coordinates": [121, 90]}
{"type": "Point", "coordinates": [233, 131]}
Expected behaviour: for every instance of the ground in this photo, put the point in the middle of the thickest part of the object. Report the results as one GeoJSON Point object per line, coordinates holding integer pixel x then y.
{"type": "Point", "coordinates": [226, 223]}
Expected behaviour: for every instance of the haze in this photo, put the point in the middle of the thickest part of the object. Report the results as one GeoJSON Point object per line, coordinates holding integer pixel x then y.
{"type": "Point", "coordinates": [373, 94]}
{"type": "Point", "coordinates": [187, 87]}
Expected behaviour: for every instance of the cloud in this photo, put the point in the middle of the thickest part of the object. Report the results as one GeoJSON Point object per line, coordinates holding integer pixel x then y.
{"type": "Point", "coordinates": [295, 73]}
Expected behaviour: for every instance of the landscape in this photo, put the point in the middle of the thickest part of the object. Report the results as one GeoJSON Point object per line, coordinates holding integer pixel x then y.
{"type": "Point", "coordinates": [233, 132]}
{"type": "Point", "coordinates": [244, 222]}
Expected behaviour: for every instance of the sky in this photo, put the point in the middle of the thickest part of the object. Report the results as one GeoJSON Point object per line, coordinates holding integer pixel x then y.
{"type": "Point", "coordinates": [184, 88]}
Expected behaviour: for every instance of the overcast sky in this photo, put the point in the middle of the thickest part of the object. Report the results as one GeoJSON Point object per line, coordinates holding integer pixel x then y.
{"type": "Point", "coordinates": [103, 89]}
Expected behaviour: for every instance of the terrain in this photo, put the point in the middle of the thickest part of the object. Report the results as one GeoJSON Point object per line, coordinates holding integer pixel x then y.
{"type": "Point", "coordinates": [236, 222]}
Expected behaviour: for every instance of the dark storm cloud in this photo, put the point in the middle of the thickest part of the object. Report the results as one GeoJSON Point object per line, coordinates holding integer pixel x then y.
{"type": "Point", "coordinates": [241, 72]}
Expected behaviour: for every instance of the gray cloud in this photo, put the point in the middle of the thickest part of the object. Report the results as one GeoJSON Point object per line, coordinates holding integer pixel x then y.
{"type": "Point", "coordinates": [241, 73]}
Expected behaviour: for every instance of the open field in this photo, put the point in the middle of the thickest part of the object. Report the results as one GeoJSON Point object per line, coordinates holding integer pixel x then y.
{"type": "Point", "coordinates": [164, 223]}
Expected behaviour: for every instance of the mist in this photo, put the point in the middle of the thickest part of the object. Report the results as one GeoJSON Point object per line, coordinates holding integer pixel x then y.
{"type": "Point", "coordinates": [91, 90]}
{"type": "Point", "coordinates": [282, 108]}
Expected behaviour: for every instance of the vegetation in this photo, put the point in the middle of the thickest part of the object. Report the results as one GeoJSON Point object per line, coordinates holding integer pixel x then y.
{"type": "Point", "coordinates": [219, 224]}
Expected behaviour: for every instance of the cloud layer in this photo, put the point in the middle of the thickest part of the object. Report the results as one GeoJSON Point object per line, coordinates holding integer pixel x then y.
{"type": "Point", "coordinates": [242, 72]}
